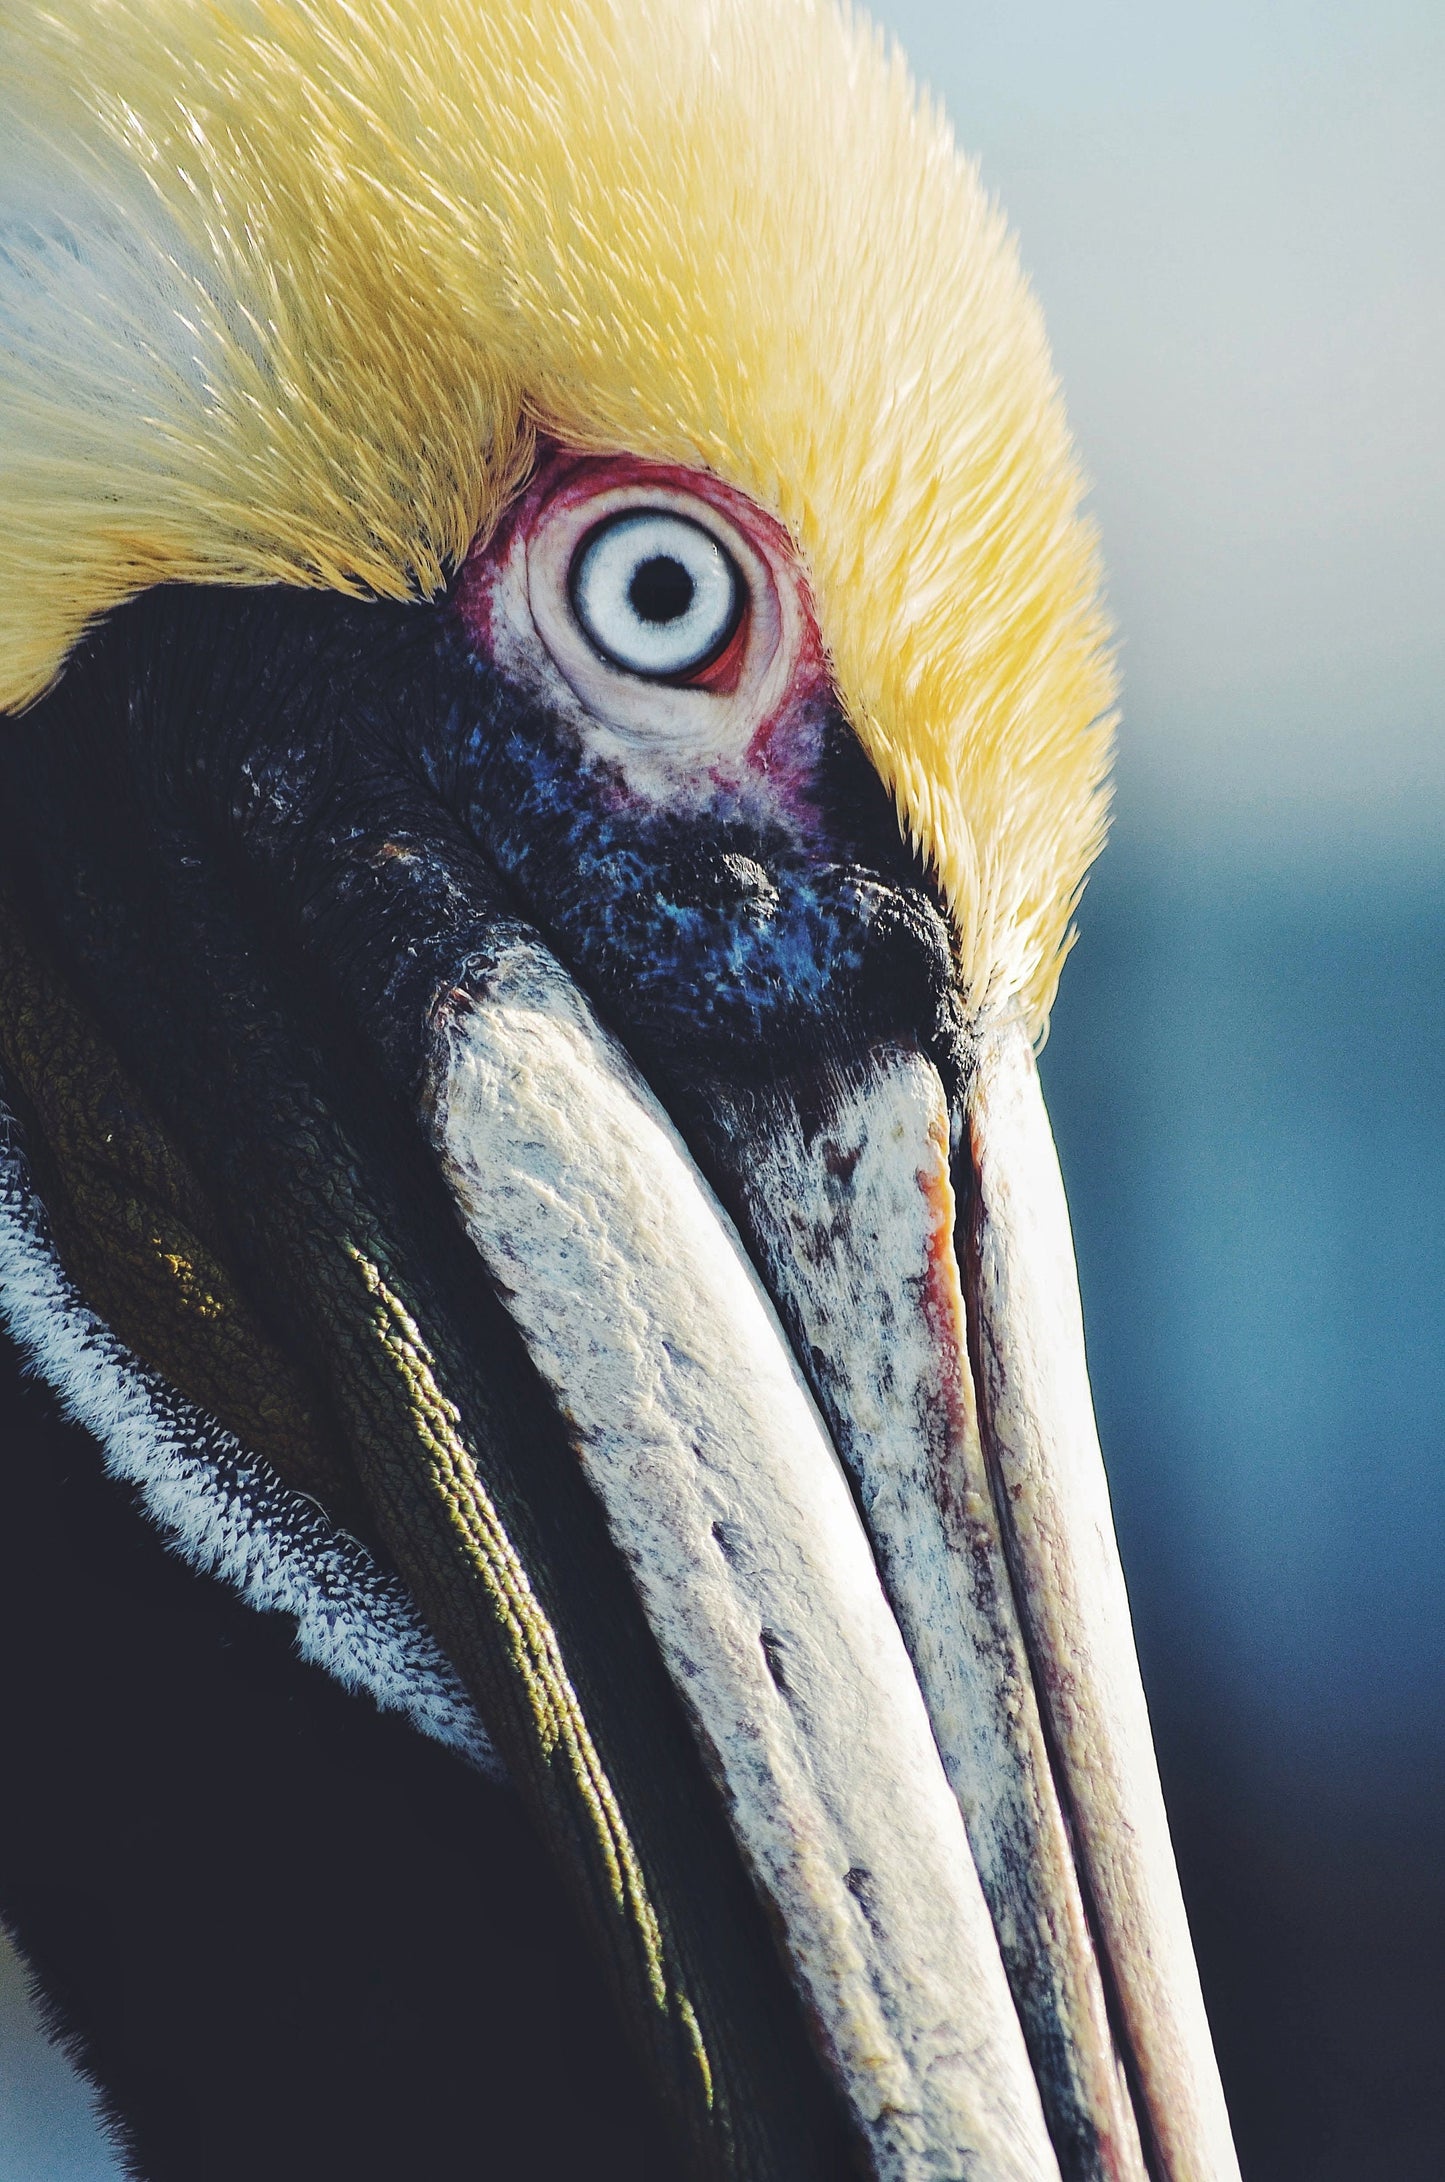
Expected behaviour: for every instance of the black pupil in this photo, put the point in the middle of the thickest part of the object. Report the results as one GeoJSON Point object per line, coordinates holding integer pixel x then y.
{"type": "Point", "coordinates": [661, 589]}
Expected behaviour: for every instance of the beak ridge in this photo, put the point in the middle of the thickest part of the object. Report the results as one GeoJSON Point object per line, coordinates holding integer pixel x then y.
{"type": "Point", "coordinates": [1051, 1487]}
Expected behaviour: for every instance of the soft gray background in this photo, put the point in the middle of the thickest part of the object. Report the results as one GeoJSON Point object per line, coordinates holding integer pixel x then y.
{"type": "Point", "coordinates": [1234, 216]}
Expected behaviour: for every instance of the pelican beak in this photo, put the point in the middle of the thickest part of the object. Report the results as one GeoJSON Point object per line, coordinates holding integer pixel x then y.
{"type": "Point", "coordinates": [843, 1437]}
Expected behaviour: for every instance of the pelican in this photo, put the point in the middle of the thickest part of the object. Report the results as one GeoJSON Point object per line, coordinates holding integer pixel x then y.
{"type": "Point", "coordinates": [561, 1608]}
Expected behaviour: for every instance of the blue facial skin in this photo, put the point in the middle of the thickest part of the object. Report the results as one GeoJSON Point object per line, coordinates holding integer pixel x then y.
{"type": "Point", "coordinates": [387, 799]}
{"type": "Point", "coordinates": [727, 940]}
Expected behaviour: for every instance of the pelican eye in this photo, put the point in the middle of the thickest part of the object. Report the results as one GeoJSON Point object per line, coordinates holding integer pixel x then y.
{"type": "Point", "coordinates": [655, 594]}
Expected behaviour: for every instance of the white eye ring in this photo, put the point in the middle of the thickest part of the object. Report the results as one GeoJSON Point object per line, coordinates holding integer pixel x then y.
{"type": "Point", "coordinates": [655, 594]}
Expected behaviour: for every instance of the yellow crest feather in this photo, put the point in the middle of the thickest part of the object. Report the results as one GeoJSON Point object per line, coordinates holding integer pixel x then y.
{"type": "Point", "coordinates": [285, 286]}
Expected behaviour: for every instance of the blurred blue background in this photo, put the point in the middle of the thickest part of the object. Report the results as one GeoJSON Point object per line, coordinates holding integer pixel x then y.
{"type": "Point", "coordinates": [1235, 218]}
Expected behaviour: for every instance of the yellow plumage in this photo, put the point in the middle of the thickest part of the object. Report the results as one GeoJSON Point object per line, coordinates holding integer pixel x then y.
{"type": "Point", "coordinates": [286, 284]}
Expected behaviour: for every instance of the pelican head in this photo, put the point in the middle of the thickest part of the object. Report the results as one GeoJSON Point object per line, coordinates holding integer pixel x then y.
{"type": "Point", "coordinates": [560, 716]}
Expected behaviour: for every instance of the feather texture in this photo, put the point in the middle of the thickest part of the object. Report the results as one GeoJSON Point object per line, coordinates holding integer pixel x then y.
{"type": "Point", "coordinates": [287, 285]}
{"type": "Point", "coordinates": [219, 1507]}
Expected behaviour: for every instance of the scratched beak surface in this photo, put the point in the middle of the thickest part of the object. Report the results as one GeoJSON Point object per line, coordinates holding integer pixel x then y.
{"type": "Point", "coordinates": [936, 1303]}
{"type": "Point", "coordinates": [910, 1716]}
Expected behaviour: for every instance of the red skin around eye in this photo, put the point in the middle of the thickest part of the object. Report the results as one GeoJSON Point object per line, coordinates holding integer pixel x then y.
{"type": "Point", "coordinates": [561, 475]}
{"type": "Point", "coordinates": [723, 674]}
